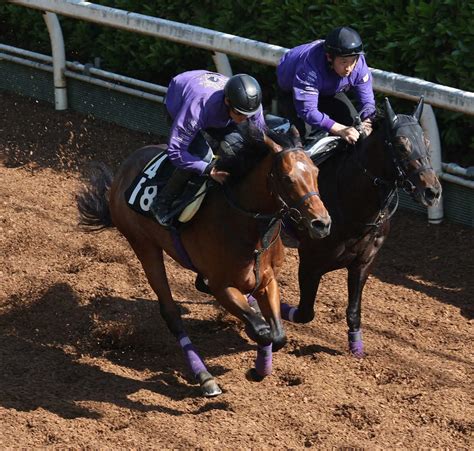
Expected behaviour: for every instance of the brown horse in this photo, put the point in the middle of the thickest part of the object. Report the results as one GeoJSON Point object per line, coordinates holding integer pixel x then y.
{"type": "Point", "coordinates": [358, 186]}
{"type": "Point", "coordinates": [233, 241]}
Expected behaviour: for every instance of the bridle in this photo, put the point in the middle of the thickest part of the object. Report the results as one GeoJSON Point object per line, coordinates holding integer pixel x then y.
{"type": "Point", "coordinates": [289, 209]}
{"type": "Point", "coordinates": [405, 126]}
{"type": "Point", "coordinates": [286, 208]}
{"type": "Point", "coordinates": [402, 126]}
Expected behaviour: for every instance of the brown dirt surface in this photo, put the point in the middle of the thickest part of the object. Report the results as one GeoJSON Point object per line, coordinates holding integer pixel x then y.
{"type": "Point", "coordinates": [87, 362]}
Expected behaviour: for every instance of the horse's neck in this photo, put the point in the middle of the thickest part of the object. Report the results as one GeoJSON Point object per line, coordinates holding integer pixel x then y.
{"type": "Point", "coordinates": [361, 196]}
{"type": "Point", "coordinates": [376, 158]}
{"type": "Point", "coordinates": [253, 193]}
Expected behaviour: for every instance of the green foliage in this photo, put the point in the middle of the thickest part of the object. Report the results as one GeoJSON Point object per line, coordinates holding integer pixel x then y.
{"type": "Point", "coordinates": [428, 39]}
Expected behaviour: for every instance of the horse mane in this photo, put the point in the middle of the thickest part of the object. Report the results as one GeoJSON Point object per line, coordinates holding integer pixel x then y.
{"type": "Point", "coordinates": [253, 151]}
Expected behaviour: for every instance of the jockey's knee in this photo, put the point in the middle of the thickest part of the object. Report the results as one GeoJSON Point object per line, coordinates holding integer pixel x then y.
{"type": "Point", "coordinates": [231, 144]}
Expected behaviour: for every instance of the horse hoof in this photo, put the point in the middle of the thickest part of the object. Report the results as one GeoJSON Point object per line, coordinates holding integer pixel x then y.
{"type": "Point", "coordinates": [357, 354]}
{"type": "Point", "coordinates": [210, 388]}
{"type": "Point", "coordinates": [253, 376]}
{"type": "Point", "coordinates": [201, 285]}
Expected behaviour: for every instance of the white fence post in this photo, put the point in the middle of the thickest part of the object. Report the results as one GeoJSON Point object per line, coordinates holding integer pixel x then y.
{"type": "Point", "coordinates": [59, 60]}
{"type": "Point", "coordinates": [428, 122]}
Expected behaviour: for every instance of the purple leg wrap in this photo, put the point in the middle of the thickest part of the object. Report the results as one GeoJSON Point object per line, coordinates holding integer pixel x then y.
{"type": "Point", "coordinates": [288, 312]}
{"type": "Point", "coordinates": [191, 355]}
{"type": "Point", "coordinates": [263, 362]}
{"type": "Point", "coordinates": [356, 345]}
{"type": "Point", "coordinates": [251, 300]}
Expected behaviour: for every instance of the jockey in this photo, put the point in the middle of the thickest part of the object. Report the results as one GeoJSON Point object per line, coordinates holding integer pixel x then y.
{"type": "Point", "coordinates": [200, 101]}
{"type": "Point", "coordinates": [312, 81]}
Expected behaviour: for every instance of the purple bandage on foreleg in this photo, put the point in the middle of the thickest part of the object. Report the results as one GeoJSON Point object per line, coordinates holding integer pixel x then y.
{"type": "Point", "coordinates": [356, 345]}
{"type": "Point", "coordinates": [192, 358]}
{"type": "Point", "coordinates": [263, 362]}
{"type": "Point", "coordinates": [288, 312]}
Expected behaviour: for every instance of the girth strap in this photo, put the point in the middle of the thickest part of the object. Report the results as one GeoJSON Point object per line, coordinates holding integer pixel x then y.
{"type": "Point", "coordinates": [268, 239]}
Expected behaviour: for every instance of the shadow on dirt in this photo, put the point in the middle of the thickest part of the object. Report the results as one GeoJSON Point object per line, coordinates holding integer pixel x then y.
{"type": "Point", "coordinates": [431, 259]}
{"type": "Point", "coordinates": [51, 346]}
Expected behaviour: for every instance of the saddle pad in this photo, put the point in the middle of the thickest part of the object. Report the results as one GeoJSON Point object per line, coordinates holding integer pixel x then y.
{"type": "Point", "coordinates": [150, 181]}
{"type": "Point", "coordinates": [324, 148]}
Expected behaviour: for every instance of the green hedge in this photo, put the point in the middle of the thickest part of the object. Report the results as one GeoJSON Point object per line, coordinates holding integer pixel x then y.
{"type": "Point", "coordinates": [432, 40]}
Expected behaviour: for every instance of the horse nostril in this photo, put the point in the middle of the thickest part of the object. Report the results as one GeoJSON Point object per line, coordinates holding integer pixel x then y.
{"type": "Point", "coordinates": [431, 194]}
{"type": "Point", "coordinates": [319, 225]}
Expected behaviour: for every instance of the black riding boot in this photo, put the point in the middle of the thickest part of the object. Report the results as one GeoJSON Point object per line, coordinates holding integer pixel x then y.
{"type": "Point", "coordinates": [162, 205]}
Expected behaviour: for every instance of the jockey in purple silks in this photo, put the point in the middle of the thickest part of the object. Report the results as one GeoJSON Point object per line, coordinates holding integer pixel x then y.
{"type": "Point", "coordinates": [313, 79]}
{"type": "Point", "coordinates": [200, 101]}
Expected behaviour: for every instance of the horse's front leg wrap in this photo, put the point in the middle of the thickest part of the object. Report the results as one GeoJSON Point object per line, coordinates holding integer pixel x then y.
{"type": "Point", "coordinates": [356, 345]}
{"type": "Point", "coordinates": [263, 362]}
{"type": "Point", "coordinates": [287, 312]}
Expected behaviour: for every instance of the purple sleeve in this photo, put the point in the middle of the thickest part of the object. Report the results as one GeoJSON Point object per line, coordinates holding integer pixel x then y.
{"type": "Point", "coordinates": [185, 127]}
{"type": "Point", "coordinates": [259, 120]}
{"type": "Point", "coordinates": [364, 92]}
{"type": "Point", "coordinates": [305, 97]}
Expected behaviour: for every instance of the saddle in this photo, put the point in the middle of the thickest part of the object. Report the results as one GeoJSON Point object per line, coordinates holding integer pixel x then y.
{"type": "Point", "coordinates": [318, 146]}
{"type": "Point", "coordinates": [153, 177]}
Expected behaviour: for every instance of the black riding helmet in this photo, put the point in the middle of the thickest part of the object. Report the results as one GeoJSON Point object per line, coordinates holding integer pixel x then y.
{"type": "Point", "coordinates": [243, 94]}
{"type": "Point", "coordinates": [343, 41]}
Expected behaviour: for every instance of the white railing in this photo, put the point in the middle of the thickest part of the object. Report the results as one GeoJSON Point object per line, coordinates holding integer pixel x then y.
{"type": "Point", "coordinates": [222, 44]}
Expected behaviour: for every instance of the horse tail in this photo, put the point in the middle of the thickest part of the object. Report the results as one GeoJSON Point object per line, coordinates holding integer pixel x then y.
{"type": "Point", "coordinates": [92, 200]}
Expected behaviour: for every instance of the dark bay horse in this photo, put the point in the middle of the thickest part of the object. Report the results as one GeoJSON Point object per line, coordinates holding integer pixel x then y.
{"type": "Point", "coordinates": [358, 186]}
{"type": "Point", "coordinates": [233, 241]}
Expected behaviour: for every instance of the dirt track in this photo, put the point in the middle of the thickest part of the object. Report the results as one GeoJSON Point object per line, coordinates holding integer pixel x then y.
{"type": "Point", "coordinates": [86, 361]}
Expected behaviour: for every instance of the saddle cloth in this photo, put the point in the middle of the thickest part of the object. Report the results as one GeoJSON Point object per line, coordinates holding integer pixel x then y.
{"type": "Point", "coordinates": [151, 180]}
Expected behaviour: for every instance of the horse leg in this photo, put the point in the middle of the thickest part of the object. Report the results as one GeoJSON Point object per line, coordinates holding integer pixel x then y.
{"type": "Point", "coordinates": [356, 279]}
{"type": "Point", "coordinates": [269, 303]}
{"type": "Point", "coordinates": [151, 259]}
{"type": "Point", "coordinates": [237, 304]}
{"type": "Point", "coordinates": [309, 280]}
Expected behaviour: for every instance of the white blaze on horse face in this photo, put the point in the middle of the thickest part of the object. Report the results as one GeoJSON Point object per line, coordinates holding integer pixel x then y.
{"type": "Point", "coordinates": [301, 166]}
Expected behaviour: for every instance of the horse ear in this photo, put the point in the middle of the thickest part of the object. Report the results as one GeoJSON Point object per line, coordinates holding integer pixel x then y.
{"type": "Point", "coordinates": [296, 135]}
{"type": "Point", "coordinates": [274, 147]}
{"type": "Point", "coordinates": [419, 109]}
{"type": "Point", "coordinates": [390, 114]}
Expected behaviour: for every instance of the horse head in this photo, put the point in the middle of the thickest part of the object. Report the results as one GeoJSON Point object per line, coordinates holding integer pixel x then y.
{"type": "Point", "coordinates": [410, 155]}
{"type": "Point", "coordinates": [294, 181]}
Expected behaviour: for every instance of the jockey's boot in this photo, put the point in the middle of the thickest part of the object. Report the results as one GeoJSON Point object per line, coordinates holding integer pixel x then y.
{"type": "Point", "coordinates": [163, 202]}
